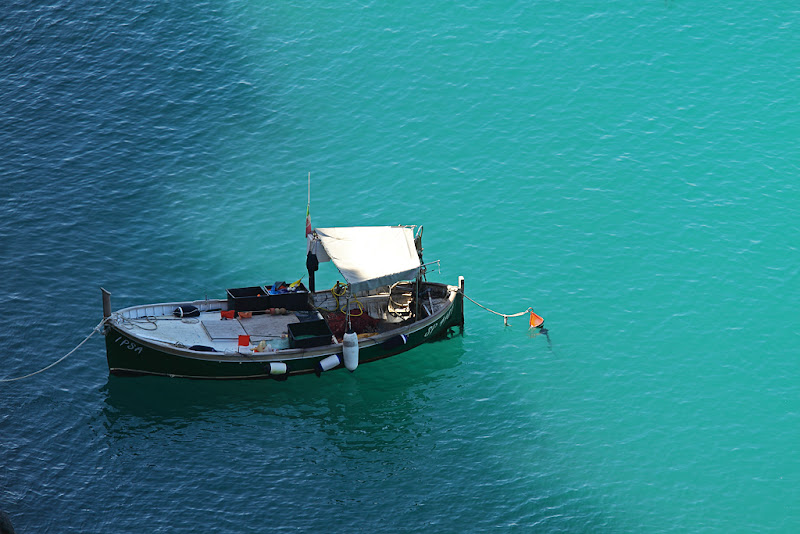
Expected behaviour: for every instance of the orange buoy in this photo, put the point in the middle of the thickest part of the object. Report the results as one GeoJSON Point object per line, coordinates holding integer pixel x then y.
{"type": "Point", "coordinates": [536, 321]}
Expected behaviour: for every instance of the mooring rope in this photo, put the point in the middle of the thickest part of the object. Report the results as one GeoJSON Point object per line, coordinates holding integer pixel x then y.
{"type": "Point", "coordinates": [505, 316]}
{"type": "Point", "coordinates": [540, 329]}
{"type": "Point", "coordinates": [94, 331]}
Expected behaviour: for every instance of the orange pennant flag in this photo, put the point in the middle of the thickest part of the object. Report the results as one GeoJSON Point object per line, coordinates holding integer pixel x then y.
{"type": "Point", "coordinates": [536, 320]}
{"type": "Point", "coordinates": [244, 341]}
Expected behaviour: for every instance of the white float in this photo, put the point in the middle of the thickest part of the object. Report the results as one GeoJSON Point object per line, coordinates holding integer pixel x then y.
{"type": "Point", "coordinates": [276, 368]}
{"type": "Point", "coordinates": [350, 351]}
{"type": "Point", "coordinates": [329, 363]}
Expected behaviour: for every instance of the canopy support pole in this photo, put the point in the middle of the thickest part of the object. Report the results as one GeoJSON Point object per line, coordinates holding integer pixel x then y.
{"type": "Point", "coordinates": [416, 300]}
{"type": "Point", "coordinates": [349, 327]}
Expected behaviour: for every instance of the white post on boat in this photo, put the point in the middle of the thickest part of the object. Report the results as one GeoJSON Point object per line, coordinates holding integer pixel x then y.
{"type": "Point", "coordinates": [461, 288]}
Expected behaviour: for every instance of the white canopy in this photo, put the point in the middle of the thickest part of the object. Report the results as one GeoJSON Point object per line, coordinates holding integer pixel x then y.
{"type": "Point", "coordinates": [371, 256]}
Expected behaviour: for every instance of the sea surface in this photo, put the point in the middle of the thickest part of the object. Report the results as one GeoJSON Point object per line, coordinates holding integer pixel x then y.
{"type": "Point", "coordinates": [629, 169]}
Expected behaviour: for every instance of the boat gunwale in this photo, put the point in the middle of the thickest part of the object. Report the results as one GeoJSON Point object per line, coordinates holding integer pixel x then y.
{"type": "Point", "coordinates": [290, 354]}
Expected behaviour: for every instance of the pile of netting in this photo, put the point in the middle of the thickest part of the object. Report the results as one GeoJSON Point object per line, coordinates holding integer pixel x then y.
{"type": "Point", "coordinates": [361, 323]}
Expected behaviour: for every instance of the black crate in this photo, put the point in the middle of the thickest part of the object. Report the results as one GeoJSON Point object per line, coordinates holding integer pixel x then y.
{"type": "Point", "coordinates": [309, 334]}
{"type": "Point", "coordinates": [294, 300]}
{"type": "Point", "coordinates": [248, 299]}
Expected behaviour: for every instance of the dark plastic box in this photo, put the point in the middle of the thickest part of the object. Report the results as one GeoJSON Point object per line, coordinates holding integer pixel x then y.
{"type": "Point", "coordinates": [309, 334]}
{"type": "Point", "coordinates": [292, 301]}
{"type": "Point", "coordinates": [248, 299]}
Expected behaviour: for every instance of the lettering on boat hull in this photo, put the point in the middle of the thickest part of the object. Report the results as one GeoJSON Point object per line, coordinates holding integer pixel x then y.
{"type": "Point", "coordinates": [128, 344]}
{"type": "Point", "coordinates": [435, 326]}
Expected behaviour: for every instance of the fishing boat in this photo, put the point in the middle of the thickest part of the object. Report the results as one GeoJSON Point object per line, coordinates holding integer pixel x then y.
{"type": "Point", "coordinates": [384, 307]}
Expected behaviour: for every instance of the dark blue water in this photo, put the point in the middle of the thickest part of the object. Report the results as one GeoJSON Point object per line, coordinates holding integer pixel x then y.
{"type": "Point", "coordinates": [627, 169]}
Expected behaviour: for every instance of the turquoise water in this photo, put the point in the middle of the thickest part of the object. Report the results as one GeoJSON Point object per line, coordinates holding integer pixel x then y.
{"type": "Point", "coordinates": [629, 169]}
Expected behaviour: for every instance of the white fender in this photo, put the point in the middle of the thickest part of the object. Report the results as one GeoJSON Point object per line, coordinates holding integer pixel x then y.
{"type": "Point", "coordinates": [277, 368]}
{"type": "Point", "coordinates": [350, 351]}
{"type": "Point", "coordinates": [329, 363]}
